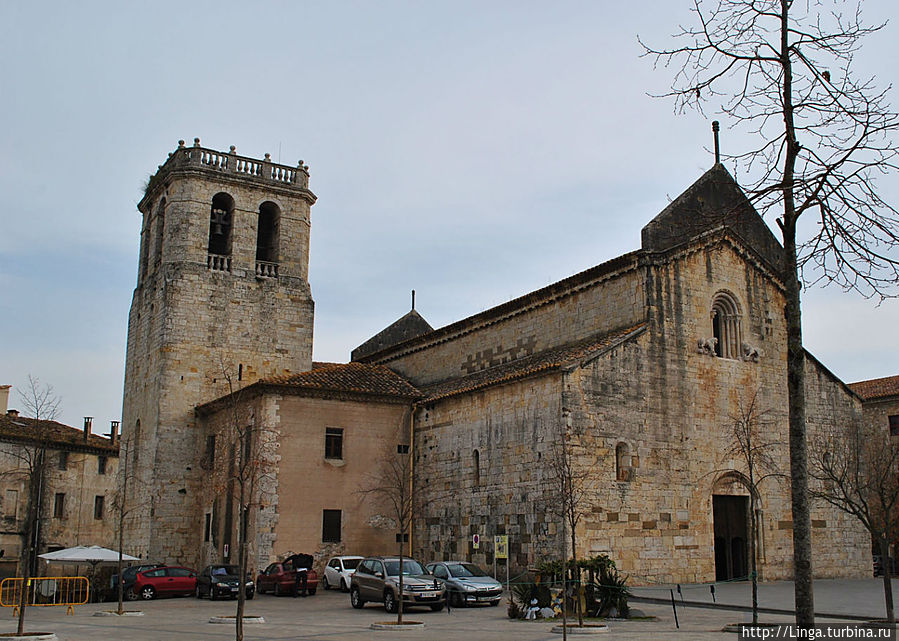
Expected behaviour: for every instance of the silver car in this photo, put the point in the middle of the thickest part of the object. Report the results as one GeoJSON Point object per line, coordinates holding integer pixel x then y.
{"type": "Point", "coordinates": [466, 583]}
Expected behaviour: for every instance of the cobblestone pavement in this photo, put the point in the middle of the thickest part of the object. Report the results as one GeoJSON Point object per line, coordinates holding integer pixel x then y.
{"type": "Point", "coordinates": [328, 616]}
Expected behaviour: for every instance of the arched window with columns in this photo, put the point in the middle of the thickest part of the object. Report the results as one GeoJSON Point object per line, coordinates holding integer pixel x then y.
{"type": "Point", "coordinates": [726, 325]}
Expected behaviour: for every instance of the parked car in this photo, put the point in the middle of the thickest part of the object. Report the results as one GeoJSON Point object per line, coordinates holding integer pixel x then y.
{"type": "Point", "coordinates": [377, 579]}
{"type": "Point", "coordinates": [466, 583]}
{"type": "Point", "coordinates": [169, 580]}
{"type": "Point", "coordinates": [222, 581]}
{"type": "Point", "coordinates": [339, 571]}
{"type": "Point", "coordinates": [128, 576]}
{"type": "Point", "coordinates": [281, 578]}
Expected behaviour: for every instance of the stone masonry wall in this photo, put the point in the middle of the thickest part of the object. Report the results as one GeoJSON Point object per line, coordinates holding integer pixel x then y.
{"type": "Point", "coordinates": [672, 407]}
{"type": "Point", "coordinates": [512, 427]}
{"type": "Point", "coordinates": [613, 301]}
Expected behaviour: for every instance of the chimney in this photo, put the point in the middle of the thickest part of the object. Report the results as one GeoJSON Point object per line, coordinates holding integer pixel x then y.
{"type": "Point", "coordinates": [113, 432]}
{"type": "Point", "coordinates": [13, 413]}
{"type": "Point", "coordinates": [4, 398]}
{"type": "Point", "coordinates": [87, 427]}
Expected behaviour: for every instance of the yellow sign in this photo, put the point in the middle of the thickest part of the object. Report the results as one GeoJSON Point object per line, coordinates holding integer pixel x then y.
{"type": "Point", "coordinates": [501, 546]}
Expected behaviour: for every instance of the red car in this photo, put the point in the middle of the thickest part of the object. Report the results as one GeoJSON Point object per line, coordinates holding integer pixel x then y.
{"type": "Point", "coordinates": [165, 581]}
{"type": "Point", "coordinates": [281, 578]}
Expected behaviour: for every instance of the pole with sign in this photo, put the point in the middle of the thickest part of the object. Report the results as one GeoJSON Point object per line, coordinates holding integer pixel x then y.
{"type": "Point", "coordinates": [501, 547]}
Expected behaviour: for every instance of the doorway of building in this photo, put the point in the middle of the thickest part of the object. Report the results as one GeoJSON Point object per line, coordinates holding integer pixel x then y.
{"type": "Point", "coordinates": [731, 521]}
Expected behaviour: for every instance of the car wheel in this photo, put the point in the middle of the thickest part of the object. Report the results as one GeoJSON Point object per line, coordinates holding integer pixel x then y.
{"type": "Point", "coordinates": [130, 595]}
{"type": "Point", "coordinates": [343, 587]}
{"type": "Point", "coordinates": [494, 603]}
{"type": "Point", "coordinates": [147, 593]}
{"type": "Point", "coordinates": [197, 593]}
{"type": "Point", "coordinates": [437, 607]}
{"type": "Point", "coordinates": [277, 589]}
{"type": "Point", "coordinates": [249, 595]}
{"type": "Point", "coordinates": [456, 600]}
{"type": "Point", "coordinates": [212, 595]}
{"type": "Point", "coordinates": [310, 591]}
{"type": "Point", "coordinates": [356, 599]}
{"type": "Point", "coordinates": [390, 603]}
{"type": "Point", "coordinates": [325, 583]}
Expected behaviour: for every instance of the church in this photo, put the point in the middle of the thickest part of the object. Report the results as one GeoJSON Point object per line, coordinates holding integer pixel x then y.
{"type": "Point", "coordinates": [638, 368]}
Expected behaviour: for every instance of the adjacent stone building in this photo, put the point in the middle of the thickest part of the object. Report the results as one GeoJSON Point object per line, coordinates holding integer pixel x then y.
{"type": "Point", "coordinates": [640, 366]}
{"type": "Point", "coordinates": [77, 471]}
{"type": "Point", "coordinates": [880, 402]}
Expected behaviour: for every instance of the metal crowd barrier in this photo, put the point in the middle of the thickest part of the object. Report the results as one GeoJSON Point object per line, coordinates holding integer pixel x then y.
{"type": "Point", "coordinates": [45, 590]}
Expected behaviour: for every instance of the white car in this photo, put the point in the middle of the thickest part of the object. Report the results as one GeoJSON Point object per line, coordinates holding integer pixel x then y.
{"type": "Point", "coordinates": [339, 571]}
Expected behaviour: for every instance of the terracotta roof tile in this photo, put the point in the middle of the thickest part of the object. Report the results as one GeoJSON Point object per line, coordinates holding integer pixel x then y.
{"type": "Point", "coordinates": [876, 387]}
{"type": "Point", "coordinates": [358, 378]}
{"type": "Point", "coordinates": [20, 429]}
{"type": "Point", "coordinates": [551, 359]}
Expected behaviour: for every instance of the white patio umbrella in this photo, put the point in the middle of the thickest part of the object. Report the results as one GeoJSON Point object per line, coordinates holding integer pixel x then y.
{"type": "Point", "coordinates": [92, 554]}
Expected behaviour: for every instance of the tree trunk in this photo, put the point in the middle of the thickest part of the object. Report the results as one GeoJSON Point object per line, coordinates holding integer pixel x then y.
{"type": "Point", "coordinates": [32, 529]}
{"type": "Point", "coordinates": [399, 605]}
{"type": "Point", "coordinates": [886, 563]}
{"type": "Point", "coordinates": [753, 553]}
{"type": "Point", "coordinates": [802, 526]}
{"type": "Point", "coordinates": [577, 579]}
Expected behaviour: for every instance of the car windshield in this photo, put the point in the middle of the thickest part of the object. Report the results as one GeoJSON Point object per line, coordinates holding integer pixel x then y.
{"type": "Point", "coordinates": [350, 564]}
{"type": "Point", "coordinates": [461, 570]}
{"type": "Point", "coordinates": [222, 570]}
{"type": "Point", "coordinates": [409, 567]}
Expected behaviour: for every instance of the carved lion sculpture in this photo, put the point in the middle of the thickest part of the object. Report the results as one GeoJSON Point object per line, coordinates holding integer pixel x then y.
{"type": "Point", "coordinates": [707, 346]}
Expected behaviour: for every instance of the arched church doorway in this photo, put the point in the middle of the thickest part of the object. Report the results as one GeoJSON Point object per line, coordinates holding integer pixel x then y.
{"type": "Point", "coordinates": [731, 523]}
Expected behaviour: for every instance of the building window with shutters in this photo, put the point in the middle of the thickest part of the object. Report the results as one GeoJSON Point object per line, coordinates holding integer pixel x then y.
{"type": "Point", "coordinates": [334, 442]}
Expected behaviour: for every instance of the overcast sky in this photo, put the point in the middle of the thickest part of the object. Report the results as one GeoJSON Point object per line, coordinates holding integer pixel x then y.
{"type": "Point", "coordinates": [472, 151]}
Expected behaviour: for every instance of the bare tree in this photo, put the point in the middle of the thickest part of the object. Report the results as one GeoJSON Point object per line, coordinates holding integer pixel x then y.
{"type": "Point", "coordinates": [40, 401]}
{"type": "Point", "coordinates": [750, 445]}
{"type": "Point", "coordinates": [123, 506]}
{"type": "Point", "coordinates": [783, 71]}
{"type": "Point", "coordinates": [568, 489]}
{"type": "Point", "coordinates": [43, 405]}
{"type": "Point", "coordinates": [391, 486]}
{"type": "Point", "coordinates": [242, 480]}
{"type": "Point", "coordinates": [858, 472]}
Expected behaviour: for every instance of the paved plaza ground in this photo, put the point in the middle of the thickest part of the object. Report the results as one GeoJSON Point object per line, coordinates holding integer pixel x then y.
{"type": "Point", "coordinates": [328, 616]}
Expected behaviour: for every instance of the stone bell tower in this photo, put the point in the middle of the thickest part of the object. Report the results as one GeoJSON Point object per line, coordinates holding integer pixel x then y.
{"type": "Point", "coordinates": [222, 293]}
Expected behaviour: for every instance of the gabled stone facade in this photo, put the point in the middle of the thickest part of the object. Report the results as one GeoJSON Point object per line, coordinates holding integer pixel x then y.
{"type": "Point", "coordinates": [684, 332]}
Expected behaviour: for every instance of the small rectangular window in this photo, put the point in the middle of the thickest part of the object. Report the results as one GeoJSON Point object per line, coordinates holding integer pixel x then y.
{"type": "Point", "coordinates": [63, 460]}
{"type": "Point", "coordinates": [11, 505]}
{"type": "Point", "coordinates": [402, 448]}
{"type": "Point", "coordinates": [207, 529]}
{"type": "Point", "coordinates": [59, 505]}
{"type": "Point", "coordinates": [334, 442]}
{"type": "Point", "coordinates": [330, 526]}
{"type": "Point", "coordinates": [98, 507]}
{"type": "Point", "coordinates": [894, 425]}
{"type": "Point", "coordinates": [402, 538]}
{"type": "Point", "coordinates": [209, 454]}
{"type": "Point", "coordinates": [101, 465]}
